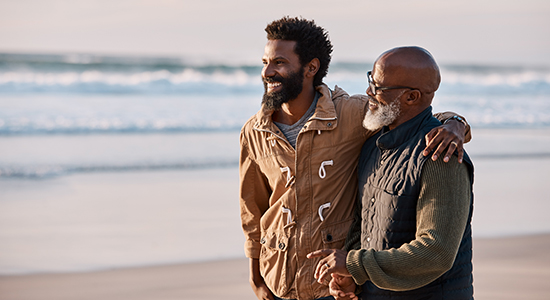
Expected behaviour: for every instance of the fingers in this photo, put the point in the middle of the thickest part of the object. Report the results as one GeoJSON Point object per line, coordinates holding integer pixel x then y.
{"type": "Point", "coordinates": [440, 139]}
{"type": "Point", "coordinates": [323, 272]}
{"type": "Point", "coordinates": [429, 141]}
{"type": "Point", "coordinates": [262, 292]}
{"type": "Point", "coordinates": [341, 292]}
{"type": "Point", "coordinates": [434, 138]}
{"type": "Point", "coordinates": [335, 290]}
{"type": "Point", "coordinates": [322, 276]}
{"type": "Point", "coordinates": [453, 145]}
{"type": "Point", "coordinates": [459, 147]}
{"type": "Point", "coordinates": [319, 253]}
{"type": "Point", "coordinates": [321, 264]}
{"type": "Point", "coordinates": [443, 144]}
{"type": "Point", "coordinates": [318, 270]}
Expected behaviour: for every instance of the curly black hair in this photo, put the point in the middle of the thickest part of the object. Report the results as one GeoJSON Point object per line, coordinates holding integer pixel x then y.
{"type": "Point", "coordinates": [312, 41]}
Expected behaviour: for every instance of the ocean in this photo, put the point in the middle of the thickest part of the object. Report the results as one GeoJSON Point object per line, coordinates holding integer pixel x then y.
{"type": "Point", "coordinates": [65, 118]}
{"type": "Point", "coordinates": [76, 98]}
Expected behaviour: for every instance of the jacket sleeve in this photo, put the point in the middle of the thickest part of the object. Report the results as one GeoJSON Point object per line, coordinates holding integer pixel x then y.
{"type": "Point", "coordinates": [441, 213]}
{"type": "Point", "coordinates": [444, 116]}
{"type": "Point", "coordinates": [254, 193]}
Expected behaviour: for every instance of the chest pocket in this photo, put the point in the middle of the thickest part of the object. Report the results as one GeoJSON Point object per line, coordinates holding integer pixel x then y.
{"type": "Point", "coordinates": [334, 235]}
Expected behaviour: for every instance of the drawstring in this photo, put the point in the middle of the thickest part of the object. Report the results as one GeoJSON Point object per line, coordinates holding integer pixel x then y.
{"type": "Point", "coordinates": [326, 205]}
{"type": "Point", "coordinates": [289, 178]}
{"type": "Point", "coordinates": [289, 216]}
{"type": "Point", "coordinates": [322, 172]}
{"type": "Point", "coordinates": [287, 170]}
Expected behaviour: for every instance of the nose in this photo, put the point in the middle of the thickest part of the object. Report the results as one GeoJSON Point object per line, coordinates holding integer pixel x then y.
{"type": "Point", "coordinates": [268, 70]}
{"type": "Point", "coordinates": [369, 91]}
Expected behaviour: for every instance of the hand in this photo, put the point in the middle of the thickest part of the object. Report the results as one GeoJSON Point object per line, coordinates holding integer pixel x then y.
{"type": "Point", "coordinates": [449, 135]}
{"type": "Point", "coordinates": [342, 288]}
{"type": "Point", "coordinates": [257, 282]}
{"type": "Point", "coordinates": [261, 290]}
{"type": "Point", "coordinates": [333, 262]}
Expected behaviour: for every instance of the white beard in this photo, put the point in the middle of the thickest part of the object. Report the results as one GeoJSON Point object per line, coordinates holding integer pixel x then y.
{"type": "Point", "coordinates": [384, 115]}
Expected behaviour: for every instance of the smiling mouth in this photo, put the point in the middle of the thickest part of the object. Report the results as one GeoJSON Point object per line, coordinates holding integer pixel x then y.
{"type": "Point", "coordinates": [373, 104]}
{"type": "Point", "coordinates": [273, 85]}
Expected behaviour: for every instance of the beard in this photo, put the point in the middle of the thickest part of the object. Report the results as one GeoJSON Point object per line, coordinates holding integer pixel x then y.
{"type": "Point", "coordinates": [384, 115]}
{"type": "Point", "coordinates": [291, 87]}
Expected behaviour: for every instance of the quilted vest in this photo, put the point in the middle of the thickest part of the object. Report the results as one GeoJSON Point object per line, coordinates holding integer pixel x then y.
{"type": "Point", "coordinates": [389, 171]}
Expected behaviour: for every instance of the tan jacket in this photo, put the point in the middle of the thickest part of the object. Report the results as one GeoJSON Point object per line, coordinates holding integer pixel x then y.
{"type": "Point", "coordinates": [296, 201]}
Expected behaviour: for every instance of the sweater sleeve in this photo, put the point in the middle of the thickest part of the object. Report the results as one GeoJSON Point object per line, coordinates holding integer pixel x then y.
{"type": "Point", "coordinates": [442, 213]}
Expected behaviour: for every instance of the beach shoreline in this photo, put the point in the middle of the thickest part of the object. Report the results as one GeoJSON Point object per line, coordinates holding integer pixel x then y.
{"type": "Point", "coordinates": [155, 234]}
{"type": "Point", "coordinates": [504, 268]}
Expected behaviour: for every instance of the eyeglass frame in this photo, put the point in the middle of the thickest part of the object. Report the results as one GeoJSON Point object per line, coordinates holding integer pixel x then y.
{"type": "Point", "coordinates": [375, 88]}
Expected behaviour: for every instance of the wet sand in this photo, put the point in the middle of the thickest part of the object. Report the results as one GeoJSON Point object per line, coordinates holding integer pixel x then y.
{"type": "Point", "coordinates": [504, 268]}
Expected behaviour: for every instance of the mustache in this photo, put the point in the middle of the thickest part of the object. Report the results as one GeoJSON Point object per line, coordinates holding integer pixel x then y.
{"type": "Point", "coordinates": [371, 99]}
{"type": "Point", "coordinates": [276, 78]}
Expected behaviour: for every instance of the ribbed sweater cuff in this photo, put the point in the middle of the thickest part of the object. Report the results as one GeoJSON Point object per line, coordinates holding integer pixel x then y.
{"type": "Point", "coordinates": [354, 264]}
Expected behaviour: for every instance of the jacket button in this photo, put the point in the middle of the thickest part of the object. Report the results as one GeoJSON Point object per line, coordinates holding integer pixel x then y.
{"type": "Point", "coordinates": [262, 241]}
{"type": "Point", "coordinates": [281, 246]}
{"type": "Point", "coordinates": [329, 237]}
{"type": "Point", "coordinates": [329, 124]}
{"type": "Point", "coordinates": [368, 239]}
{"type": "Point", "coordinates": [372, 200]}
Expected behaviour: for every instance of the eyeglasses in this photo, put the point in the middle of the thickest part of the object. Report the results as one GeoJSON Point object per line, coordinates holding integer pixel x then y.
{"type": "Point", "coordinates": [374, 88]}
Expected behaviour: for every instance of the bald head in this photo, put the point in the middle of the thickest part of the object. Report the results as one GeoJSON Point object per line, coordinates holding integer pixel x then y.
{"type": "Point", "coordinates": [410, 66]}
{"type": "Point", "coordinates": [403, 84]}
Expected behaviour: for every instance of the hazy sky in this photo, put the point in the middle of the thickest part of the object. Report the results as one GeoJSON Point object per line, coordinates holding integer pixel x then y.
{"type": "Point", "coordinates": [232, 31]}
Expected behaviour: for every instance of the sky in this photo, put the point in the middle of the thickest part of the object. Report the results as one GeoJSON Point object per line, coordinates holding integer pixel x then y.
{"type": "Point", "coordinates": [485, 32]}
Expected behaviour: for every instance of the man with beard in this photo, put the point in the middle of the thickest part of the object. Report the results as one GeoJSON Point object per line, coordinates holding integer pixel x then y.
{"type": "Point", "coordinates": [412, 228]}
{"type": "Point", "coordinates": [298, 160]}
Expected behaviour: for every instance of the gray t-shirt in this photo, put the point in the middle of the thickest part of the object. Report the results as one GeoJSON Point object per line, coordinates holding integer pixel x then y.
{"type": "Point", "coordinates": [291, 131]}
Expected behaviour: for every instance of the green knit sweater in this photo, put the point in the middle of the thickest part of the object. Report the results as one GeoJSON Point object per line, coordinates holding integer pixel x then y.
{"type": "Point", "coordinates": [441, 216]}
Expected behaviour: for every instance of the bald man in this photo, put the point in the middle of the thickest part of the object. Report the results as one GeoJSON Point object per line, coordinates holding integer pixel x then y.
{"type": "Point", "coordinates": [412, 229]}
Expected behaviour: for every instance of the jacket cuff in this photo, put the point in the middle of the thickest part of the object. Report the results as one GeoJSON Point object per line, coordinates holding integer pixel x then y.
{"type": "Point", "coordinates": [252, 249]}
{"type": "Point", "coordinates": [354, 264]}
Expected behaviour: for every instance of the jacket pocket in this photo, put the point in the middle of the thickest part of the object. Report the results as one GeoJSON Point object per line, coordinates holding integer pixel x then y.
{"type": "Point", "coordinates": [334, 235]}
{"type": "Point", "coordinates": [274, 260]}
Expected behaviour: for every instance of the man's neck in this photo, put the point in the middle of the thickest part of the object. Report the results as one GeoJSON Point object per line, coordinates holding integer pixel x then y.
{"type": "Point", "coordinates": [292, 111]}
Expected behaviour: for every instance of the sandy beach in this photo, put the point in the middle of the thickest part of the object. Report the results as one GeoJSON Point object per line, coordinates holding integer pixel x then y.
{"type": "Point", "coordinates": [504, 268]}
{"type": "Point", "coordinates": [82, 236]}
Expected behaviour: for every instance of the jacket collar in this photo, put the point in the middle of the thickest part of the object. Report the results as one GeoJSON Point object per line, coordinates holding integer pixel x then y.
{"type": "Point", "coordinates": [324, 117]}
{"type": "Point", "coordinates": [394, 138]}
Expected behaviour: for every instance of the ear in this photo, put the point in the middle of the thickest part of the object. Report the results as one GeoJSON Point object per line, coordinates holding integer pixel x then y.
{"type": "Point", "coordinates": [312, 68]}
{"type": "Point", "coordinates": [413, 97]}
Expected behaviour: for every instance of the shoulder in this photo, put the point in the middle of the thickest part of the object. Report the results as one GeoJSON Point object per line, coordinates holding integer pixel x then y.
{"type": "Point", "coordinates": [248, 128]}
{"type": "Point", "coordinates": [342, 97]}
{"type": "Point", "coordinates": [351, 108]}
{"type": "Point", "coordinates": [249, 124]}
{"type": "Point", "coordinates": [439, 170]}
